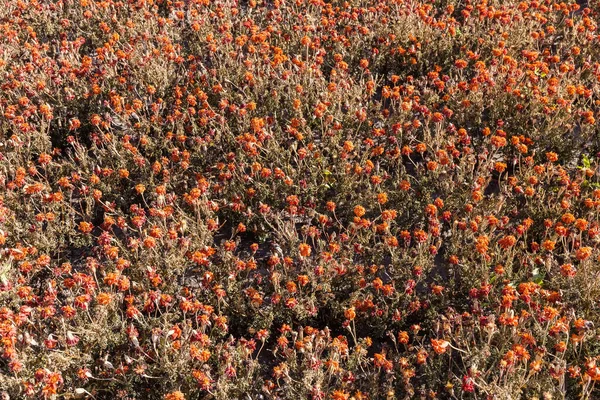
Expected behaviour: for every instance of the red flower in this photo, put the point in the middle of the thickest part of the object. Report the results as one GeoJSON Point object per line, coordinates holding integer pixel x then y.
{"type": "Point", "coordinates": [467, 384]}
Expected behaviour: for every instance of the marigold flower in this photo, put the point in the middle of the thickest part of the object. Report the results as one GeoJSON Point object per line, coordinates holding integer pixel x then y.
{"type": "Point", "coordinates": [548, 245]}
{"type": "Point", "coordinates": [340, 395]}
{"type": "Point", "coordinates": [507, 241]}
{"type": "Point", "coordinates": [359, 211]}
{"type": "Point", "coordinates": [460, 64]}
{"type": "Point", "coordinates": [350, 313]}
{"type": "Point", "coordinates": [422, 357]}
{"type": "Point", "coordinates": [437, 289]}
{"type": "Point", "coordinates": [583, 253]}
{"type": "Point", "coordinates": [304, 249]}
{"type": "Point", "coordinates": [95, 119]}
{"type": "Point", "coordinates": [103, 298]}
{"type": "Point", "coordinates": [176, 395]}
{"type": "Point", "coordinates": [498, 141]}
{"type": "Point", "coordinates": [404, 185]}
{"type": "Point", "coordinates": [85, 227]}
{"type": "Point", "coordinates": [439, 346]}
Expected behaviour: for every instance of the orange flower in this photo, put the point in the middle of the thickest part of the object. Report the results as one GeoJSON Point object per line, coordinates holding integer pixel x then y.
{"type": "Point", "coordinates": [44, 159]}
{"type": "Point", "coordinates": [439, 346]}
{"type": "Point", "coordinates": [304, 249]}
{"type": "Point", "coordinates": [74, 123]}
{"type": "Point", "coordinates": [229, 245]}
{"type": "Point", "coordinates": [548, 245]}
{"type": "Point", "coordinates": [95, 119]}
{"type": "Point", "coordinates": [202, 379]}
{"type": "Point", "coordinates": [350, 313]}
{"type": "Point", "coordinates": [437, 289]}
{"type": "Point", "coordinates": [85, 227]}
{"type": "Point", "coordinates": [291, 287]}
{"type": "Point", "coordinates": [583, 253]}
{"type": "Point", "coordinates": [499, 167]}
{"type": "Point", "coordinates": [330, 206]}
{"type": "Point", "coordinates": [380, 361]}
{"type": "Point", "coordinates": [176, 395]}
{"type": "Point", "coordinates": [340, 395]}
{"type": "Point", "coordinates": [535, 366]}
{"type": "Point", "coordinates": [460, 64]}
{"type": "Point", "coordinates": [103, 298]}
{"type": "Point", "coordinates": [567, 270]}
{"type": "Point", "coordinates": [568, 218]}
{"type": "Point", "coordinates": [303, 280]}
{"type": "Point", "coordinates": [498, 141]}
{"type": "Point", "coordinates": [551, 156]}
{"type": "Point", "coordinates": [422, 357]}
{"type": "Point", "coordinates": [359, 211]}
{"type": "Point", "coordinates": [581, 224]}
{"type": "Point", "coordinates": [507, 241]}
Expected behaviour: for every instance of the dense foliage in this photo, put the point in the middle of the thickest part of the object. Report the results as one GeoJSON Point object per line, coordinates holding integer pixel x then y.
{"type": "Point", "coordinates": [292, 199]}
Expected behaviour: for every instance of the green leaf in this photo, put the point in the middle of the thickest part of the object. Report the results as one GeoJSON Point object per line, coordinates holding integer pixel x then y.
{"type": "Point", "coordinates": [537, 277]}
{"type": "Point", "coordinates": [586, 161]}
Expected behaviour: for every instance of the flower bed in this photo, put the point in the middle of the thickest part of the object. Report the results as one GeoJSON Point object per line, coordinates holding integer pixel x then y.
{"type": "Point", "coordinates": [299, 199]}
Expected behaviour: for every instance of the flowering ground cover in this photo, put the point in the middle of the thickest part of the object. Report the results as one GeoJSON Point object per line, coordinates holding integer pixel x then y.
{"type": "Point", "coordinates": [299, 199]}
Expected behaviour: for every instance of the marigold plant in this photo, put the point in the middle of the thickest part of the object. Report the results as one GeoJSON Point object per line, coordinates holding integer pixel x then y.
{"type": "Point", "coordinates": [299, 199]}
